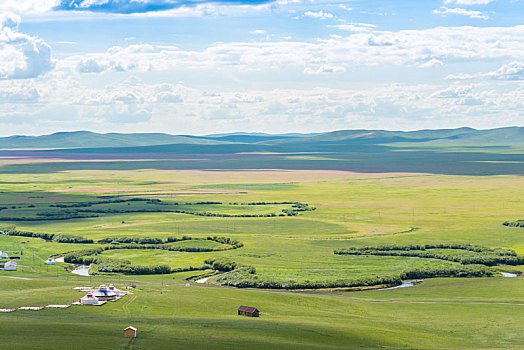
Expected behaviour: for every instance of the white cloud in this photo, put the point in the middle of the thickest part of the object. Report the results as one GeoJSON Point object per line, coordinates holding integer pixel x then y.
{"type": "Point", "coordinates": [21, 55]}
{"type": "Point", "coordinates": [460, 76]}
{"type": "Point", "coordinates": [354, 27]}
{"type": "Point", "coordinates": [325, 69]}
{"type": "Point", "coordinates": [445, 11]}
{"type": "Point", "coordinates": [422, 48]}
{"type": "Point", "coordinates": [137, 106]}
{"type": "Point", "coordinates": [468, 2]}
{"type": "Point", "coordinates": [15, 92]}
{"type": "Point", "coordinates": [320, 14]}
{"type": "Point", "coordinates": [259, 31]}
{"type": "Point", "coordinates": [28, 6]}
{"type": "Point", "coordinates": [432, 63]}
{"type": "Point", "coordinates": [453, 92]}
{"type": "Point", "coordinates": [511, 71]}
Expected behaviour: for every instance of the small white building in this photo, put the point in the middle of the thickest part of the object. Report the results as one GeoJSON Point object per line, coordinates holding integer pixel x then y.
{"type": "Point", "coordinates": [3, 255]}
{"type": "Point", "coordinates": [89, 299]}
{"type": "Point", "coordinates": [50, 262]}
{"type": "Point", "coordinates": [114, 290]}
{"type": "Point", "coordinates": [10, 265]}
{"type": "Point", "coordinates": [103, 293]}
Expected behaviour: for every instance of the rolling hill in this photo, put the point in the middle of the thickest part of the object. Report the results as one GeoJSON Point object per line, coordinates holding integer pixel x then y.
{"type": "Point", "coordinates": [259, 142]}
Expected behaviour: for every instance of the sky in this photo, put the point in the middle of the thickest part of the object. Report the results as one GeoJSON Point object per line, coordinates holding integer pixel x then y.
{"type": "Point", "coordinates": [201, 67]}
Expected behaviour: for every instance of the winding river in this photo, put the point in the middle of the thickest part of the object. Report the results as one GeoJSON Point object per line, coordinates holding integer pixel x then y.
{"type": "Point", "coordinates": [82, 270]}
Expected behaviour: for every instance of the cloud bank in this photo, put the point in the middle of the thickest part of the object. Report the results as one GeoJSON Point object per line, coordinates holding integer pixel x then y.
{"type": "Point", "coordinates": [142, 6]}
{"type": "Point", "coordinates": [419, 48]}
{"type": "Point", "coordinates": [21, 55]}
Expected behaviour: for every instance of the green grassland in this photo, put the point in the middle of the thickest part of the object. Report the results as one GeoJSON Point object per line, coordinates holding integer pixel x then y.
{"type": "Point", "coordinates": [462, 313]}
{"type": "Point", "coordinates": [352, 210]}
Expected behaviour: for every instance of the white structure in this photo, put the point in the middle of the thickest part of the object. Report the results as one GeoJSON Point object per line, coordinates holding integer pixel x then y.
{"type": "Point", "coordinates": [103, 293]}
{"type": "Point", "coordinates": [10, 266]}
{"type": "Point", "coordinates": [89, 299]}
{"type": "Point", "coordinates": [114, 290]}
{"type": "Point", "coordinates": [3, 255]}
{"type": "Point", "coordinates": [49, 262]}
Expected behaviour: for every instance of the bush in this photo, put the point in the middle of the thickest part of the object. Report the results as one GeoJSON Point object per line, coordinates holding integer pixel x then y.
{"type": "Point", "coordinates": [484, 256]}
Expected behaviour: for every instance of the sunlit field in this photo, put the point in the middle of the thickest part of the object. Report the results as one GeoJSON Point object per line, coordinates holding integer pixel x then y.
{"type": "Point", "coordinates": [345, 210]}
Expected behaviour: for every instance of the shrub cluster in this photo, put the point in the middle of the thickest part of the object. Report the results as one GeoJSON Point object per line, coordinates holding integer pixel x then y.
{"type": "Point", "coordinates": [517, 223]}
{"type": "Point", "coordinates": [83, 256]}
{"type": "Point", "coordinates": [128, 239]}
{"type": "Point", "coordinates": [125, 267]}
{"type": "Point", "coordinates": [90, 256]}
{"type": "Point", "coordinates": [60, 238]}
{"type": "Point", "coordinates": [484, 256]}
{"type": "Point", "coordinates": [447, 271]}
{"type": "Point", "coordinates": [243, 277]}
{"type": "Point", "coordinates": [75, 211]}
{"type": "Point", "coordinates": [130, 242]}
{"type": "Point", "coordinates": [221, 264]}
{"type": "Point", "coordinates": [110, 201]}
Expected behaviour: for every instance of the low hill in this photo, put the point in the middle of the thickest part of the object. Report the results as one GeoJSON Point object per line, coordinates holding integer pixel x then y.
{"type": "Point", "coordinates": [87, 139]}
{"type": "Point", "coordinates": [258, 142]}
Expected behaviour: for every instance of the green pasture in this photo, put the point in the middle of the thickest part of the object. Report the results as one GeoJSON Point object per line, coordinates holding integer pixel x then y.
{"type": "Point", "coordinates": [441, 313]}
{"type": "Point", "coordinates": [352, 210]}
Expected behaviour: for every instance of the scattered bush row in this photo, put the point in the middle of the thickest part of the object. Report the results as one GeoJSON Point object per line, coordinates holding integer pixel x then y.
{"type": "Point", "coordinates": [58, 216]}
{"type": "Point", "coordinates": [127, 242]}
{"type": "Point", "coordinates": [70, 212]}
{"type": "Point", "coordinates": [242, 277]}
{"type": "Point", "coordinates": [90, 256]}
{"type": "Point", "coordinates": [89, 204]}
{"type": "Point", "coordinates": [133, 241]}
{"type": "Point", "coordinates": [59, 238]}
{"type": "Point", "coordinates": [447, 271]}
{"type": "Point", "coordinates": [221, 264]}
{"type": "Point", "coordinates": [459, 246]}
{"type": "Point", "coordinates": [518, 223]}
{"type": "Point", "coordinates": [485, 256]}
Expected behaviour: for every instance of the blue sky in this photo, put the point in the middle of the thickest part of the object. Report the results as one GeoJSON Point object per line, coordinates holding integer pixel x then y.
{"type": "Point", "coordinates": [273, 66]}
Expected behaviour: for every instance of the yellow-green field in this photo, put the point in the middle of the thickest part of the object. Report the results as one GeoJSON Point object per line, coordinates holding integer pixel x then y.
{"type": "Point", "coordinates": [352, 210]}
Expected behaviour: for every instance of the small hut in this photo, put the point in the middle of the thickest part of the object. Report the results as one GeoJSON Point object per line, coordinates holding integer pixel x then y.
{"type": "Point", "coordinates": [3, 255]}
{"type": "Point", "coordinates": [103, 293]}
{"type": "Point", "coordinates": [49, 262]}
{"type": "Point", "coordinates": [248, 311]}
{"type": "Point", "coordinates": [89, 299]}
{"type": "Point", "coordinates": [130, 332]}
{"type": "Point", "coordinates": [11, 266]}
{"type": "Point", "coordinates": [114, 290]}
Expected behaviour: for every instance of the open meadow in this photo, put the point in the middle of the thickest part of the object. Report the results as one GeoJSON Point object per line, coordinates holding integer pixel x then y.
{"type": "Point", "coordinates": [264, 237]}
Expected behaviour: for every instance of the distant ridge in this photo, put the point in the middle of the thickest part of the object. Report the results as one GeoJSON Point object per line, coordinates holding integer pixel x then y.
{"type": "Point", "coordinates": [261, 141]}
{"type": "Point", "coordinates": [87, 139]}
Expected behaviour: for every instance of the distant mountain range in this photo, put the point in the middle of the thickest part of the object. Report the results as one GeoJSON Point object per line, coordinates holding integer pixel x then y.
{"type": "Point", "coordinates": [261, 141]}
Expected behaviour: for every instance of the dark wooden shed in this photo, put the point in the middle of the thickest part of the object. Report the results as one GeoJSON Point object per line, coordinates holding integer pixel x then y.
{"type": "Point", "coordinates": [248, 311]}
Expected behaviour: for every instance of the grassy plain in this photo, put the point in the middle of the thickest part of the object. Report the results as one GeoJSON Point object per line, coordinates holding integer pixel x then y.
{"type": "Point", "coordinates": [353, 210]}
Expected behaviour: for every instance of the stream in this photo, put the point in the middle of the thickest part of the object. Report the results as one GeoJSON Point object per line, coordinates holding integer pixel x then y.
{"type": "Point", "coordinates": [82, 270]}
{"type": "Point", "coordinates": [508, 274]}
{"type": "Point", "coordinates": [203, 280]}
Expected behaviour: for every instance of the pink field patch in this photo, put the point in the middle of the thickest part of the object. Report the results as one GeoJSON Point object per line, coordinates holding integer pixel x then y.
{"type": "Point", "coordinates": [38, 199]}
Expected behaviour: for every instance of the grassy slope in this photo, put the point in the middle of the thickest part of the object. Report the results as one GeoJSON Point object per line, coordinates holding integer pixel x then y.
{"type": "Point", "coordinates": [178, 317]}
{"type": "Point", "coordinates": [353, 210]}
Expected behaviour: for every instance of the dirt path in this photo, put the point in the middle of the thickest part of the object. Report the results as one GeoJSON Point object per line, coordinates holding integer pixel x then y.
{"type": "Point", "coordinates": [17, 278]}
